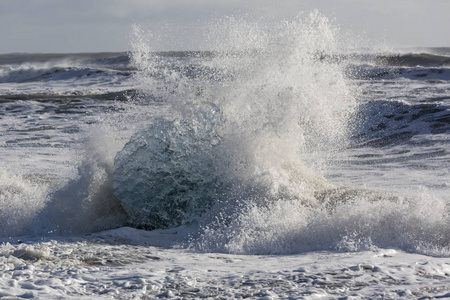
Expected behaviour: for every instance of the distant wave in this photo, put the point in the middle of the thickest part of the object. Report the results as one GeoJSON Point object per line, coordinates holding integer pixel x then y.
{"type": "Point", "coordinates": [119, 96]}
{"type": "Point", "coordinates": [382, 123]}
{"type": "Point", "coordinates": [102, 57]}
{"type": "Point", "coordinates": [413, 60]}
{"type": "Point", "coordinates": [30, 73]}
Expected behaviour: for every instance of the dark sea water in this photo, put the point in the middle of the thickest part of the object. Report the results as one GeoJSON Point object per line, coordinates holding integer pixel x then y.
{"type": "Point", "coordinates": [288, 145]}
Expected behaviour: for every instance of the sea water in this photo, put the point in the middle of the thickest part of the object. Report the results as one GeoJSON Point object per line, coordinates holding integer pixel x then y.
{"type": "Point", "coordinates": [288, 161]}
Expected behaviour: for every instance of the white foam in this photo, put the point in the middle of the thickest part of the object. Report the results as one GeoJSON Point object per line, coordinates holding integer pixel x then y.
{"type": "Point", "coordinates": [21, 198]}
{"type": "Point", "coordinates": [116, 264]}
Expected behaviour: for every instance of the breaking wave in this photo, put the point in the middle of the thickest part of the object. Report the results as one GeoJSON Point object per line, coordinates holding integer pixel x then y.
{"type": "Point", "coordinates": [215, 142]}
{"type": "Point", "coordinates": [227, 158]}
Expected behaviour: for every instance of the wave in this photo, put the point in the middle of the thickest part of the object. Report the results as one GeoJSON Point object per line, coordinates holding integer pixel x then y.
{"type": "Point", "coordinates": [382, 123]}
{"type": "Point", "coordinates": [220, 152]}
{"type": "Point", "coordinates": [43, 73]}
{"type": "Point", "coordinates": [108, 58]}
{"type": "Point", "coordinates": [227, 160]}
{"type": "Point", "coordinates": [123, 95]}
{"type": "Point", "coordinates": [414, 60]}
{"type": "Point", "coordinates": [27, 69]}
{"type": "Point", "coordinates": [371, 72]}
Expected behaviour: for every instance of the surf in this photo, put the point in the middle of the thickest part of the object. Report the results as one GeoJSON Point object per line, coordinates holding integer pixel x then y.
{"type": "Point", "coordinates": [244, 130]}
{"type": "Point", "coordinates": [228, 148]}
{"type": "Point", "coordinates": [227, 158]}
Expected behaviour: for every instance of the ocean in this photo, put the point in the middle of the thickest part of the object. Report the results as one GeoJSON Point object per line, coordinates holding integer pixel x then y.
{"type": "Point", "coordinates": [288, 161]}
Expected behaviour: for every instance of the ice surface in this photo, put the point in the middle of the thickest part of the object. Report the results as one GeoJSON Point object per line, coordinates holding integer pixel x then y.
{"type": "Point", "coordinates": [165, 175]}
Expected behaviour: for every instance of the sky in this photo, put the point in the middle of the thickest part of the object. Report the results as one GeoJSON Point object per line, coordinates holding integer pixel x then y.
{"type": "Point", "coordinates": [68, 26]}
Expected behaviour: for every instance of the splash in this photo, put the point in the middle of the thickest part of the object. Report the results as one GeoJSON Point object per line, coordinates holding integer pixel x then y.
{"type": "Point", "coordinates": [86, 202]}
{"type": "Point", "coordinates": [217, 142]}
{"type": "Point", "coordinates": [21, 197]}
{"type": "Point", "coordinates": [227, 156]}
{"type": "Point", "coordinates": [368, 221]}
{"type": "Point", "coordinates": [240, 119]}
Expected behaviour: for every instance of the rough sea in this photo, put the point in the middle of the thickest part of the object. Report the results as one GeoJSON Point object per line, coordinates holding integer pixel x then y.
{"type": "Point", "coordinates": [290, 161]}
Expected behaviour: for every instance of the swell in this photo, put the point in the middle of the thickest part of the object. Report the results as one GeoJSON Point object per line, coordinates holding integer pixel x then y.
{"type": "Point", "coordinates": [43, 73]}
{"type": "Point", "coordinates": [381, 123]}
{"type": "Point", "coordinates": [28, 69]}
{"type": "Point", "coordinates": [419, 73]}
{"type": "Point", "coordinates": [107, 58]}
{"type": "Point", "coordinates": [415, 59]}
{"type": "Point", "coordinates": [124, 95]}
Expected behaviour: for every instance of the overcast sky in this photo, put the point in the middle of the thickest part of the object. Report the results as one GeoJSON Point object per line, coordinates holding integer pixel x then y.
{"type": "Point", "coordinates": [105, 25]}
